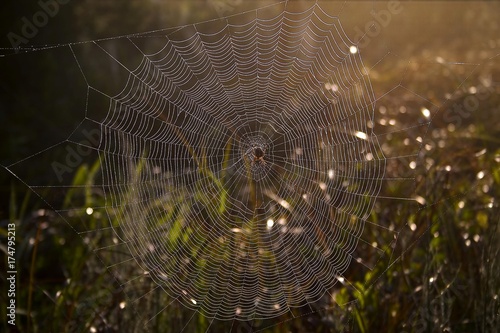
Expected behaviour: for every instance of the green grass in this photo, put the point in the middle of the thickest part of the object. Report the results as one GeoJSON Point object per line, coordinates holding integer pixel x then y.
{"type": "Point", "coordinates": [443, 274]}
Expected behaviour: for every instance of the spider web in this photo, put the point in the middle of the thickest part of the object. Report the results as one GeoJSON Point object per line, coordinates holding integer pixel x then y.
{"type": "Point", "coordinates": [241, 161]}
{"type": "Point", "coordinates": [256, 178]}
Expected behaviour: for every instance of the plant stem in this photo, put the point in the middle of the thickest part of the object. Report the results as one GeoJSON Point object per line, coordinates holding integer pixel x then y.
{"type": "Point", "coordinates": [32, 270]}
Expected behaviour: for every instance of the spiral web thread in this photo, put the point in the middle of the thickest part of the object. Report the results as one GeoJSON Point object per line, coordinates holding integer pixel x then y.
{"type": "Point", "coordinates": [239, 163]}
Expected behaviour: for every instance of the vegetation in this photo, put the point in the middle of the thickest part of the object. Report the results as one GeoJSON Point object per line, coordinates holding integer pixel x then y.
{"type": "Point", "coordinates": [441, 276]}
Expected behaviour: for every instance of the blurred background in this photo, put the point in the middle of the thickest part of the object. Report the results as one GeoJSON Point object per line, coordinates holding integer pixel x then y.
{"type": "Point", "coordinates": [443, 57]}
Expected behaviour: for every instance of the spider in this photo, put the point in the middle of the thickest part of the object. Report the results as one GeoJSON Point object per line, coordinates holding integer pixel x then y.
{"type": "Point", "coordinates": [258, 156]}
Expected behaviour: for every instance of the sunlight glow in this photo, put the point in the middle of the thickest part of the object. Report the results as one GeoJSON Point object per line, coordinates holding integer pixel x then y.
{"type": "Point", "coordinates": [285, 204]}
{"type": "Point", "coordinates": [361, 135]}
